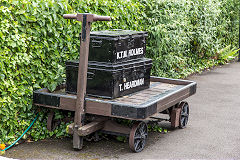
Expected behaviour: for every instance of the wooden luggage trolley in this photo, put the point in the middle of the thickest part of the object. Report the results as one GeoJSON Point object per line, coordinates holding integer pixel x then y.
{"type": "Point", "coordinates": [97, 114]}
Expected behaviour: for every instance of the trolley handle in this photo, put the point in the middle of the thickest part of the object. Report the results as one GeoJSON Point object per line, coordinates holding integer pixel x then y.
{"type": "Point", "coordinates": [70, 16]}
{"type": "Point", "coordinates": [101, 18]}
{"type": "Point", "coordinates": [94, 17]}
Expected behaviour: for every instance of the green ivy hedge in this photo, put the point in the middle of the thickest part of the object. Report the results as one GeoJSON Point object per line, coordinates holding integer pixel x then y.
{"type": "Point", "coordinates": [35, 41]}
{"type": "Point", "coordinates": [188, 35]}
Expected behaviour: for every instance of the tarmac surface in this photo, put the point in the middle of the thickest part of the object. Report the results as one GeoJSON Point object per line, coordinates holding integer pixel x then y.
{"type": "Point", "coordinates": [213, 131]}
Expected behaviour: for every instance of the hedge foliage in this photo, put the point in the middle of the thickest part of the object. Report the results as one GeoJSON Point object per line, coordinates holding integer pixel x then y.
{"type": "Point", "coordinates": [185, 36]}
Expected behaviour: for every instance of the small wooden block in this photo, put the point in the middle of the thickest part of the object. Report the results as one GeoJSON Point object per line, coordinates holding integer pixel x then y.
{"type": "Point", "coordinates": [175, 117]}
{"type": "Point", "coordinates": [90, 128]}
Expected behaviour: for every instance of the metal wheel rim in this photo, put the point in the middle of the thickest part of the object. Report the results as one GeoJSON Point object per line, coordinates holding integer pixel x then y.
{"type": "Point", "coordinates": [138, 135]}
{"type": "Point", "coordinates": [184, 115]}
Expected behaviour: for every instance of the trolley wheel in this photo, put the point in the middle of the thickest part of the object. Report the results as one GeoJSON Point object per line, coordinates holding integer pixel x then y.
{"type": "Point", "coordinates": [184, 115]}
{"type": "Point", "coordinates": [138, 136]}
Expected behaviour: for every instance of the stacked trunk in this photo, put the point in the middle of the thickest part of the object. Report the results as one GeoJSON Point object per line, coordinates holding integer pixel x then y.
{"type": "Point", "coordinates": [116, 66]}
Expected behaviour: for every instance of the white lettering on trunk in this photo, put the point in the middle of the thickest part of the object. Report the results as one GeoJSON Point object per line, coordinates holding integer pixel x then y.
{"type": "Point", "coordinates": [131, 84]}
{"type": "Point", "coordinates": [129, 53]}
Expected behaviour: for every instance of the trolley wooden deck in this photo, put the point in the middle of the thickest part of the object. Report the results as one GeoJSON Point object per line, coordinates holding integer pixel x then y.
{"type": "Point", "coordinates": [162, 94]}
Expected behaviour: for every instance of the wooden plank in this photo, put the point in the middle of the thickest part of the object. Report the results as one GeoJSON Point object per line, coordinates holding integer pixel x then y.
{"type": "Point", "coordinates": [90, 128]}
{"type": "Point", "coordinates": [47, 106]}
{"type": "Point", "coordinates": [137, 97]}
{"type": "Point", "coordinates": [149, 93]}
{"type": "Point", "coordinates": [140, 94]}
{"type": "Point", "coordinates": [93, 107]}
{"type": "Point", "coordinates": [67, 103]}
{"type": "Point", "coordinates": [172, 100]}
{"type": "Point", "coordinates": [130, 101]}
{"type": "Point", "coordinates": [112, 126]}
{"type": "Point", "coordinates": [171, 81]}
{"type": "Point", "coordinates": [157, 91]}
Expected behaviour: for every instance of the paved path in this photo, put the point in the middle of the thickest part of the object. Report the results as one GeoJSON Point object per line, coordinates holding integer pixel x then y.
{"type": "Point", "coordinates": [5, 158]}
{"type": "Point", "coordinates": [213, 130]}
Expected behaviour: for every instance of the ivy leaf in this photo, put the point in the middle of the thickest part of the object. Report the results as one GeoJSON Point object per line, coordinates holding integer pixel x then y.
{"type": "Point", "coordinates": [36, 85]}
{"type": "Point", "coordinates": [52, 86]}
